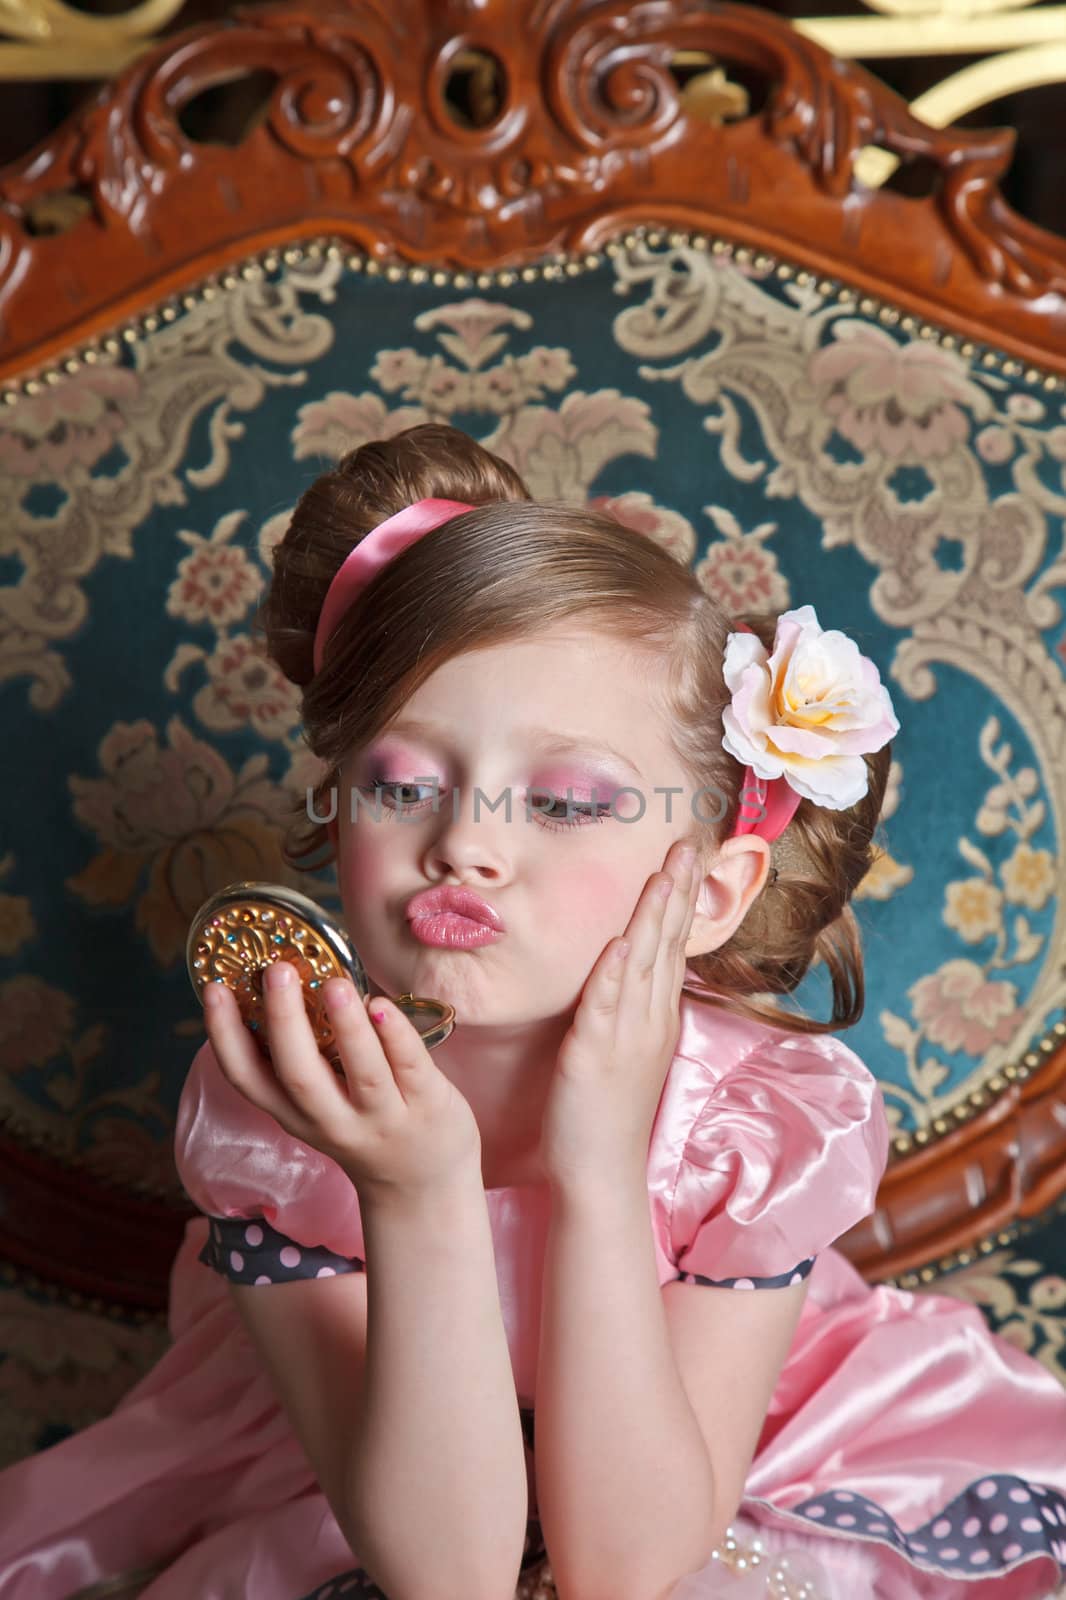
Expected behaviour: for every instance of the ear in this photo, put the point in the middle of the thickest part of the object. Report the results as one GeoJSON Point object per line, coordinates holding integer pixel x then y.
{"type": "Point", "coordinates": [734, 878]}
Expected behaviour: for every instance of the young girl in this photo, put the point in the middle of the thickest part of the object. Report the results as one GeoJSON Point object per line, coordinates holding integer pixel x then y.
{"type": "Point", "coordinates": [530, 717]}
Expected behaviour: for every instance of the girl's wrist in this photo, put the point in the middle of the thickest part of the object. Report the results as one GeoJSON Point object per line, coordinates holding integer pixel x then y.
{"type": "Point", "coordinates": [438, 1194]}
{"type": "Point", "coordinates": [595, 1190]}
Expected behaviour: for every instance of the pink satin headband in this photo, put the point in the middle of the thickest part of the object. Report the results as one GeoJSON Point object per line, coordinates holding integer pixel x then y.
{"type": "Point", "coordinates": [388, 539]}
{"type": "Point", "coordinates": [767, 805]}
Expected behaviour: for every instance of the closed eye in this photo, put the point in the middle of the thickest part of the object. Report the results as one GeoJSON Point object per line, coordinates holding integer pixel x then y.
{"type": "Point", "coordinates": [391, 797]}
{"type": "Point", "coordinates": [578, 812]}
{"type": "Point", "coordinates": [387, 792]}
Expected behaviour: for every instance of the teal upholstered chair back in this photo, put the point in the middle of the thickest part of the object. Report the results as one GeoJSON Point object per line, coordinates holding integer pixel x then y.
{"type": "Point", "coordinates": [794, 434]}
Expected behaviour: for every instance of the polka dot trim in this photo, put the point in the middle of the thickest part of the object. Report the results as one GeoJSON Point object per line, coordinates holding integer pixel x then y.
{"type": "Point", "coordinates": [988, 1528]}
{"type": "Point", "coordinates": [781, 1281]}
{"type": "Point", "coordinates": [249, 1250]}
{"type": "Point", "coordinates": [994, 1524]}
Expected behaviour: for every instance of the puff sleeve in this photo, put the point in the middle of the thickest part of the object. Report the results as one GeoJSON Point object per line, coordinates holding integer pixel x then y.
{"type": "Point", "coordinates": [785, 1155]}
{"type": "Point", "coordinates": [277, 1208]}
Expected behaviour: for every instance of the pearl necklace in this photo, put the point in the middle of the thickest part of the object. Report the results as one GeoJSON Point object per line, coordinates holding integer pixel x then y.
{"type": "Point", "coordinates": [780, 1582]}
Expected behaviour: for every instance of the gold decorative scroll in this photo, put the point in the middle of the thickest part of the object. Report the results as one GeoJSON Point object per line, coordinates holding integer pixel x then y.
{"type": "Point", "coordinates": [931, 29]}
{"type": "Point", "coordinates": [62, 42]}
{"type": "Point", "coordinates": [967, 89]}
{"type": "Point", "coordinates": [1027, 49]}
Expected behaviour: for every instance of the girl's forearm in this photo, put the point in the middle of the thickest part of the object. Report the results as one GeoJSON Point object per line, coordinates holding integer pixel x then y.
{"type": "Point", "coordinates": [437, 1482]}
{"type": "Point", "coordinates": [623, 1479]}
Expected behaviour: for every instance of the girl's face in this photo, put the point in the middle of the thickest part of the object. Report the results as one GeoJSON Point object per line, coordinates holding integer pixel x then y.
{"type": "Point", "coordinates": [521, 723]}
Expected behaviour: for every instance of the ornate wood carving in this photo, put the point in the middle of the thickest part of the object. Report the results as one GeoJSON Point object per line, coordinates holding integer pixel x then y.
{"type": "Point", "coordinates": [361, 141]}
{"type": "Point", "coordinates": [592, 136]}
{"type": "Point", "coordinates": [1008, 1162]}
{"type": "Point", "coordinates": [103, 1243]}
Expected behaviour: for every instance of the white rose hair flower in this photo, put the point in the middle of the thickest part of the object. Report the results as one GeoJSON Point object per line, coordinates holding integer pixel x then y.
{"type": "Point", "coordinates": [808, 711]}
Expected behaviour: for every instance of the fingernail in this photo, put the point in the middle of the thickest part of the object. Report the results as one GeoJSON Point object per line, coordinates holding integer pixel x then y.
{"type": "Point", "coordinates": [278, 975]}
{"type": "Point", "coordinates": [213, 993]}
{"type": "Point", "coordinates": [665, 890]}
{"type": "Point", "coordinates": [378, 1016]}
{"type": "Point", "coordinates": [687, 857]}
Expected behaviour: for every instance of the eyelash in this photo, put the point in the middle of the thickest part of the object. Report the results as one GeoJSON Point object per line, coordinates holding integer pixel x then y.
{"type": "Point", "coordinates": [590, 813]}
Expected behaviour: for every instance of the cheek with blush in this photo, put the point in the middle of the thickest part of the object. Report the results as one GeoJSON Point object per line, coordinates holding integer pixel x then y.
{"type": "Point", "coordinates": [361, 878]}
{"type": "Point", "coordinates": [595, 906]}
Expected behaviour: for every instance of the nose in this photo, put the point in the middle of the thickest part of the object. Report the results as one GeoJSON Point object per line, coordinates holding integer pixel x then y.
{"type": "Point", "coordinates": [472, 838]}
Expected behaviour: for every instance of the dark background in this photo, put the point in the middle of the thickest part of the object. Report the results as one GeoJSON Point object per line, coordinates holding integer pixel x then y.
{"type": "Point", "coordinates": [1035, 185]}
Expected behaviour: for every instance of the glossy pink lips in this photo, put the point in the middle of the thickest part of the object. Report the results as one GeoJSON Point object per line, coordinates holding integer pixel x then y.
{"type": "Point", "coordinates": [459, 932]}
{"type": "Point", "coordinates": [452, 917]}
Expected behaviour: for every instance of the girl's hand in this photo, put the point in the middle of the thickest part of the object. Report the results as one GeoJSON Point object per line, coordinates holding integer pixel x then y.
{"type": "Point", "coordinates": [613, 1062]}
{"type": "Point", "coordinates": [394, 1122]}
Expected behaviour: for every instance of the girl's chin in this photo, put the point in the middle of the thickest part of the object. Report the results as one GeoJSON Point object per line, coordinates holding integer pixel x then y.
{"type": "Point", "coordinates": [431, 980]}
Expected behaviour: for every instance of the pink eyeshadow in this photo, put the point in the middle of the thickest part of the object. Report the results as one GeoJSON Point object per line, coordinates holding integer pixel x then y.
{"type": "Point", "coordinates": [581, 784]}
{"type": "Point", "coordinates": [392, 762]}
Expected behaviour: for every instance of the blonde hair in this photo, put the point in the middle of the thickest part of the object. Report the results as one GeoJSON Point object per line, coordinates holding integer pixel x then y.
{"type": "Point", "coordinates": [512, 567]}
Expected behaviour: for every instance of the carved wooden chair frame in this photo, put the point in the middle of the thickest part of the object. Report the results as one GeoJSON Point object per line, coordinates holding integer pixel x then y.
{"type": "Point", "coordinates": [592, 139]}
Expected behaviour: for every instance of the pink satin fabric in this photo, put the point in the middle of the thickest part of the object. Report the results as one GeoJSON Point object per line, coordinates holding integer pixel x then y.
{"type": "Point", "coordinates": [766, 1147]}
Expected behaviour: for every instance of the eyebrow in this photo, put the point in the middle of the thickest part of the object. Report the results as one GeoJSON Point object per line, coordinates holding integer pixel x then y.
{"type": "Point", "coordinates": [546, 740]}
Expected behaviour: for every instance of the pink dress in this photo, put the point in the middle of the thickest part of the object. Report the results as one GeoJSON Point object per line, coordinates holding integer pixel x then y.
{"type": "Point", "coordinates": [907, 1452]}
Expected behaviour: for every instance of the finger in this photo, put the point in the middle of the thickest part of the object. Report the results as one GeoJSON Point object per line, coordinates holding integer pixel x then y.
{"type": "Point", "coordinates": [240, 1059]}
{"type": "Point", "coordinates": [677, 919]}
{"type": "Point", "coordinates": [645, 929]}
{"type": "Point", "coordinates": [678, 912]}
{"type": "Point", "coordinates": [595, 1021]}
{"type": "Point", "coordinates": [599, 998]}
{"type": "Point", "coordinates": [408, 1057]}
{"type": "Point", "coordinates": [645, 935]}
{"type": "Point", "coordinates": [694, 895]}
{"type": "Point", "coordinates": [300, 1067]}
{"type": "Point", "coordinates": [364, 1063]}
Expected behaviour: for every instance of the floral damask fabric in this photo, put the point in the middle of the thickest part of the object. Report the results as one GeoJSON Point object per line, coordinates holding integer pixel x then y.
{"type": "Point", "coordinates": [789, 448]}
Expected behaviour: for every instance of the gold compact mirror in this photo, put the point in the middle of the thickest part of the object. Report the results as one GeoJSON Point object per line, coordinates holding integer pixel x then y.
{"type": "Point", "coordinates": [237, 933]}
